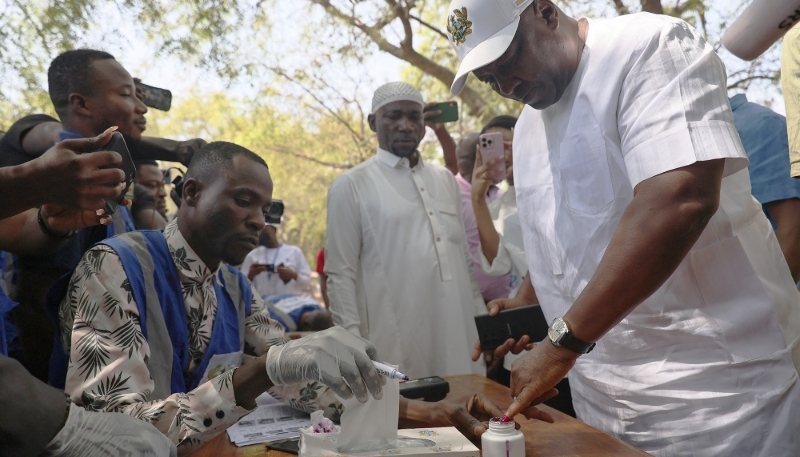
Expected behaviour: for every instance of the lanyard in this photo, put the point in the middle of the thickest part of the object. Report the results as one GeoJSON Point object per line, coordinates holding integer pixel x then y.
{"type": "Point", "coordinates": [274, 259]}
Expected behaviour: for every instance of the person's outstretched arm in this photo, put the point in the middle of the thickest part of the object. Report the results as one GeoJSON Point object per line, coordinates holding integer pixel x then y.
{"type": "Point", "coordinates": [63, 176]}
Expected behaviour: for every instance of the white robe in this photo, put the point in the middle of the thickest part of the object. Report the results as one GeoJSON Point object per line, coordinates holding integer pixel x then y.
{"type": "Point", "coordinates": [707, 366]}
{"type": "Point", "coordinates": [398, 265]}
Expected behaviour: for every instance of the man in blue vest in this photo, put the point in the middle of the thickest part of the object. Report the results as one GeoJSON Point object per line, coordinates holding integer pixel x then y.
{"type": "Point", "coordinates": [156, 324]}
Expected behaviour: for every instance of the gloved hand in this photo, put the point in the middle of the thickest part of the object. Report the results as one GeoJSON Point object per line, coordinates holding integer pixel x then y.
{"type": "Point", "coordinates": [90, 434]}
{"type": "Point", "coordinates": [334, 357]}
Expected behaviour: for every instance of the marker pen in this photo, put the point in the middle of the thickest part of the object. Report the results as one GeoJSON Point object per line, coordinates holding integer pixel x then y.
{"type": "Point", "coordinates": [389, 372]}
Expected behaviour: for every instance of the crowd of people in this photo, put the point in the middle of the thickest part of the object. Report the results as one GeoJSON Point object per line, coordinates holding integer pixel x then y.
{"type": "Point", "coordinates": [628, 217]}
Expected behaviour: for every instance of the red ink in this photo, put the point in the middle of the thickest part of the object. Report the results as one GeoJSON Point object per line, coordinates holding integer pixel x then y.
{"type": "Point", "coordinates": [505, 419]}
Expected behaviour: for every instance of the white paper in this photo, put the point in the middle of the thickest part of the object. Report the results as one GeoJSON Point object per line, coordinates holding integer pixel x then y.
{"type": "Point", "coordinates": [268, 423]}
{"type": "Point", "coordinates": [220, 363]}
{"type": "Point", "coordinates": [371, 426]}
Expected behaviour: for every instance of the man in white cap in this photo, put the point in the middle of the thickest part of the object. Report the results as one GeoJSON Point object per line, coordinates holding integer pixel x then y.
{"type": "Point", "coordinates": [398, 266]}
{"type": "Point", "coordinates": [640, 229]}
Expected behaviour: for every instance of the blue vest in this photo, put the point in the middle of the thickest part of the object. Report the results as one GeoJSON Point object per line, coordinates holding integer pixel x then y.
{"type": "Point", "coordinates": [157, 290]}
{"type": "Point", "coordinates": [6, 305]}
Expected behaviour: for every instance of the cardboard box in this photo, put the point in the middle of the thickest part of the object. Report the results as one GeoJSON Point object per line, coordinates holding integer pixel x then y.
{"type": "Point", "coordinates": [412, 442]}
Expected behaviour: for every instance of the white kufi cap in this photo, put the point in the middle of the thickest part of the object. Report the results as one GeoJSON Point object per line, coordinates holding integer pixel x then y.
{"type": "Point", "coordinates": [395, 92]}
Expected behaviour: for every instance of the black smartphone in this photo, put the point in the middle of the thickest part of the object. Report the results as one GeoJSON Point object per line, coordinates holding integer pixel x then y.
{"type": "Point", "coordinates": [449, 112]}
{"type": "Point", "coordinates": [430, 389]}
{"type": "Point", "coordinates": [511, 323]}
{"type": "Point", "coordinates": [117, 144]}
{"type": "Point", "coordinates": [155, 97]}
{"type": "Point", "coordinates": [290, 446]}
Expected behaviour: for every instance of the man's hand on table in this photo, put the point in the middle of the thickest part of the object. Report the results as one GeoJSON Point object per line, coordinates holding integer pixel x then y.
{"type": "Point", "coordinates": [469, 415]}
{"type": "Point", "coordinates": [534, 375]}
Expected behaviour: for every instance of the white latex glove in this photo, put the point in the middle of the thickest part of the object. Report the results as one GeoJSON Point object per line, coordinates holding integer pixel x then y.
{"type": "Point", "coordinates": [334, 357]}
{"type": "Point", "coordinates": [95, 434]}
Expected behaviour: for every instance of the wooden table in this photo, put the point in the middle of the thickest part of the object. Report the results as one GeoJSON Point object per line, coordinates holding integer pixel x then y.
{"type": "Point", "coordinates": [565, 437]}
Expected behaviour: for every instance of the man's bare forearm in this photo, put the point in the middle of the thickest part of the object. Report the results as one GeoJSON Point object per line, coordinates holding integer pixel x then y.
{"type": "Point", "coordinates": [152, 148]}
{"type": "Point", "coordinates": [487, 234]}
{"type": "Point", "coordinates": [666, 217]}
{"type": "Point", "coordinates": [249, 381]}
{"type": "Point", "coordinates": [786, 215]}
{"type": "Point", "coordinates": [526, 291]}
{"type": "Point", "coordinates": [448, 149]}
{"type": "Point", "coordinates": [22, 235]}
{"type": "Point", "coordinates": [18, 189]}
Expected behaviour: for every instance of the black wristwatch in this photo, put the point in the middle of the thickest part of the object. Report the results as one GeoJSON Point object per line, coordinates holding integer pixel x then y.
{"type": "Point", "coordinates": [560, 335]}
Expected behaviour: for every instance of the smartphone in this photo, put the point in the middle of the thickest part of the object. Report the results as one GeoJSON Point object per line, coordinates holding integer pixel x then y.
{"type": "Point", "coordinates": [449, 112]}
{"type": "Point", "coordinates": [117, 144]}
{"type": "Point", "coordinates": [430, 389]}
{"type": "Point", "coordinates": [290, 446]}
{"type": "Point", "coordinates": [491, 147]}
{"type": "Point", "coordinates": [511, 323]}
{"type": "Point", "coordinates": [155, 97]}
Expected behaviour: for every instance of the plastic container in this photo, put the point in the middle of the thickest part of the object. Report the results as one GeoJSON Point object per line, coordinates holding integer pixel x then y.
{"type": "Point", "coordinates": [502, 440]}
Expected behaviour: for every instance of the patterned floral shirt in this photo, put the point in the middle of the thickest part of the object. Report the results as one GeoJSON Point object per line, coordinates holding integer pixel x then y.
{"type": "Point", "coordinates": [107, 370]}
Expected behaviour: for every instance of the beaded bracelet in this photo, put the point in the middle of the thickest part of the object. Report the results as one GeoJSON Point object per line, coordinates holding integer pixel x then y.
{"type": "Point", "coordinates": [47, 230]}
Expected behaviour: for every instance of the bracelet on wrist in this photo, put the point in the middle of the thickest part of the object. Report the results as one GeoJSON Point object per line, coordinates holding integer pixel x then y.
{"type": "Point", "coordinates": [47, 230]}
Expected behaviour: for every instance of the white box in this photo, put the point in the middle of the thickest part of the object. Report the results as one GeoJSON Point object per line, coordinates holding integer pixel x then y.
{"type": "Point", "coordinates": [446, 441]}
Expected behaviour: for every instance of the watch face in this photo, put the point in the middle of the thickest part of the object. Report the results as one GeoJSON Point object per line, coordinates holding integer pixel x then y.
{"type": "Point", "coordinates": [557, 329]}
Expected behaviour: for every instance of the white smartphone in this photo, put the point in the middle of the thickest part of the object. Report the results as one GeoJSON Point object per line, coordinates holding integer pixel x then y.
{"type": "Point", "coordinates": [491, 147]}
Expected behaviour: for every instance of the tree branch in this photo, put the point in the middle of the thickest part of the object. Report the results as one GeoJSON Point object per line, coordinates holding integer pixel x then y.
{"type": "Point", "coordinates": [429, 26]}
{"type": "Point", "coordinates": [474, 102]}
{"type": "Point", "coordinates": [289, 151]}
{"type": "Point", "coordinates": [744, 82]}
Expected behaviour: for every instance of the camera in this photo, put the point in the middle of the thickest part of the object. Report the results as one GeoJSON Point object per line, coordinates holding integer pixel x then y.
{"type": "Point", "coordinates": [271, 267]}
{"type": "Point", "coordinates": [275, 212]}
{"type": "Point", "coordinates": [486, 143]}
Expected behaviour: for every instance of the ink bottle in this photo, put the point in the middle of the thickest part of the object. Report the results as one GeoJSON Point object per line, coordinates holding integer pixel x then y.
{"type": "Point", "coordinates": [502, 440]}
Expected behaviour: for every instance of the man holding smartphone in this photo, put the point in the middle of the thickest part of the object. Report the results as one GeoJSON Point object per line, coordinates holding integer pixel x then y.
{"type": "Point", "coordinates": [90, 92]}
{"type": "Point", "coordinates": [274, 267]}
{"type": "Point", "coordinates": [672, 308]}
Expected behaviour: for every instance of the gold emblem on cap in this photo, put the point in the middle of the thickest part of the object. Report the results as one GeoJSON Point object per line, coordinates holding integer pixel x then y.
{"type": "Point", "coordinates": [519, 2]}
{"type": "Point", "coordinates": [458, 26]}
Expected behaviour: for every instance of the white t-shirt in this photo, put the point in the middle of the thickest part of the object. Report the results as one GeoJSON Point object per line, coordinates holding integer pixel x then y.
{"type": "Point", "coordinates": [268, 283]}
{"type": "Point", "coordinates": [704, 366]}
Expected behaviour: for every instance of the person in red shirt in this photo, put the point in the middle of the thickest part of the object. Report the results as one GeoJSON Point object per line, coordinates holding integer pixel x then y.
{"type": "Point", "coordinates": [323, 278]}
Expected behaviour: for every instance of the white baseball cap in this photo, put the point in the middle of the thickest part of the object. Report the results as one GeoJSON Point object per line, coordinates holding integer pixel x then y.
{"type": "Point", "coordinates": [480, 31]}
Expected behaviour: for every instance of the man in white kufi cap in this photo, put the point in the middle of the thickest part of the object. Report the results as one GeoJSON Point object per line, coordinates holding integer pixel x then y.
{"type": "Point", "coordinates": [673, 309]}
{"type": "Point", "coordinates": [399, 273]}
